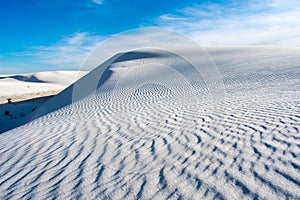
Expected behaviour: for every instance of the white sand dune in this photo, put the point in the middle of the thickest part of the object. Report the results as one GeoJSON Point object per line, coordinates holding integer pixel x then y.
{"type": "Point", "coordinates": [151, 130]}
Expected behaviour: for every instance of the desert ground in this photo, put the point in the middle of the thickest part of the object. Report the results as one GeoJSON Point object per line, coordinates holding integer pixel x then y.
{"type": "Point", "coordinates": [154, 128]}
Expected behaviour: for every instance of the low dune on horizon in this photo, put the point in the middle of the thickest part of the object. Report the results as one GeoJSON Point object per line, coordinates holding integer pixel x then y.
{"type": "Point", "coordinates": [21, 94]}
{"type": "Point", "coordinates": [150, 126]}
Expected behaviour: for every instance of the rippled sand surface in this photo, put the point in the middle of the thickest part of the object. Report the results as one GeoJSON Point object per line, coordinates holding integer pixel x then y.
{"type": "Point", "coordinates": [153, 130]}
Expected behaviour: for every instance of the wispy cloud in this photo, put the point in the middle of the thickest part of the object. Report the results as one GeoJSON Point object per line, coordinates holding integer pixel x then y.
{"type": "Point", "coordinates": [170, 17]}
{"type": "Point", "coordinates": [67, 53]}
{"type": "Point", "coordinates": [99, 2]}
{"type": "Point", "coordinates": [273, 22]}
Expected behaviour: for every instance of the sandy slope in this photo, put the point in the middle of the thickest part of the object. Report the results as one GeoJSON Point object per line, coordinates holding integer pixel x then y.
{"type": "Point", "coordinates": [154, 132]}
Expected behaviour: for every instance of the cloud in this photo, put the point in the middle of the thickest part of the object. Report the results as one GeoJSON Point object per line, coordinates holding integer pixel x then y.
{"type": "Point", "coordinates": [273, 22]}
{"type": "Point", "coordinates": [99, 2]}
{"type": "Point", "coordinates": [170, 17]}
{"type": "Point", "coordinates": [68, 53]}
{"type": "Point", "coordinates": [78, 38]}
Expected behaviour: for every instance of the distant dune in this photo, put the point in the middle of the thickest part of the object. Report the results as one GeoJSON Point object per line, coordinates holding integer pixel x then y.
{"type": "Point", "coordinates": [27, 86]}
{"type": "Point", "coordinates": [21, 94]}
{"type": "Point", "coordinates": [149, 126]}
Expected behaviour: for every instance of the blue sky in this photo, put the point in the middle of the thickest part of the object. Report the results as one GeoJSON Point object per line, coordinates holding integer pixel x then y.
{"type": "Point", "coordinates": [41, 35]}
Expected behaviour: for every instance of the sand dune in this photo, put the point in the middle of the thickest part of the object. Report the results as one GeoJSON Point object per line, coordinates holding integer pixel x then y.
{"type": "Point", "coordinates": [151, 130]}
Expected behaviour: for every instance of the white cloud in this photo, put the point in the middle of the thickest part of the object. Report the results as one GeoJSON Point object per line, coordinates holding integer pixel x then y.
{"type": "Point", "coordinates": [273, 22]}
{"type": "Point", "coordinates": [77, 39]}
{"type": "Point", "coordinates": [68, 53]}
{"type": "Point", "coordinates": [99, 2]}
{"type": "Point", "coordinates": [170, 17]}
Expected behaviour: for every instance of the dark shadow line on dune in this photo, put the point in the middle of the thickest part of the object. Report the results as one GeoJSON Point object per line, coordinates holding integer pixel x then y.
{"type": "Point", "coordinates": [32, 79]}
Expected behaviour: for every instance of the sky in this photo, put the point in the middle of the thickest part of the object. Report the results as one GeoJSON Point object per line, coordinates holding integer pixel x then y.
{"type": "Point", "coordinates": [46, 35]}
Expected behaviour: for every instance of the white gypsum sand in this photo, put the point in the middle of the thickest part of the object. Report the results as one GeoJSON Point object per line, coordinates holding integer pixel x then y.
{"type": "Point", "coordinates": [21, 94]}
{"type": "Point", "coordinates": [20, 87]}
{"type": "Point", "coordinates": [153, 131]}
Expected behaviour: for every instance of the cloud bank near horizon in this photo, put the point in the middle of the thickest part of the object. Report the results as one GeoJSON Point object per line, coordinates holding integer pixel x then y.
{"type": "Point", "coordinates": [271, 22]}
